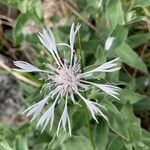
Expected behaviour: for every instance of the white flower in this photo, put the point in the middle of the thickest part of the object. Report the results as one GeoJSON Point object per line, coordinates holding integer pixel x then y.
{"type": "Point", "coordinates": [109, 89]}
{"type": "Point", "coordinates": [92, 106]}
{"type": "Point", "coordinates": [73, 33]}
{"type": "Point", "coordinates": [108, 43]}
{"type": "Point", "coordinates": [64, 119]}
{"type": "Point", "coordinates": [47, 116]}
{"type": "Point", "coordinates": [36, 109]}
{"type": "Point", "coordinates": [26, 67]}
{"type": "Point", "coordinates": [64, 80]}
{"type": "Point", "coordinates": [109, 66]}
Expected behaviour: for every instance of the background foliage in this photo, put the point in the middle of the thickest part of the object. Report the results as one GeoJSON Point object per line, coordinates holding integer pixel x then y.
{"type": "Point", "coordinates": [126, 20]}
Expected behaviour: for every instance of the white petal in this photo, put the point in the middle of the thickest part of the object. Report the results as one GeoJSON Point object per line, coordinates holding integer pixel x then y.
{"type": "Point", "coordinates": [94, 110]}
{"type": "Point", "coordinates": [72, 36]}
{"type": "Point", "coordinates": [48, 115]}
{"type": "Point", "coordinates": [109, 89]}
{"type": "Point", "coordinates": [77, 28]}
{"type": "Point", "coordinates": [29, 108]}
{"type": "Point", "coordinates": [108, 43]}
{"type": "Point", "coordinates": [72, 98]}
{"type": "Point", "coordinates": [48, 41]}
{"type": "Point", "coordinates": [109, 66]}
{"type": "Point", "coordinates": [36, 109]}
{"type": "Point", "coordinates": [25, 67]}
{"type": "Point", "coordinates": [49, 37]}
{"type": "Point", "coordinates": [73, 33]}
{"type": "Point", "coordinates": [53, 39]}
{"type": "Point", "coordinates": [64, 119]}
{"type": "Point", "coordinates": [63, 44]}
{"type": "Point", "coordinates": [69, 126]}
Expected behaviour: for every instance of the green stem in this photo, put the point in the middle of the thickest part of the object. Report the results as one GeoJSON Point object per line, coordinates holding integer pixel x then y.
{"type": "Point", "coordinates": [80, 54]}
{"type": "Point", "coordinates": [86, 111]}
{"type": "Point", "coordinates": [131, 5]}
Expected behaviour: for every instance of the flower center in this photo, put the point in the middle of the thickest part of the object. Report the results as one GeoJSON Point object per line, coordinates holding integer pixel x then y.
{"type": "Point", "coordinates": [67, 78]}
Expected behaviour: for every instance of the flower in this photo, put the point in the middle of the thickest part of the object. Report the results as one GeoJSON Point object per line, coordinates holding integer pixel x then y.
{"type": "Point", "coordinates": [65, 80]}
{"type": "Point", "coordinates": [108, 43]}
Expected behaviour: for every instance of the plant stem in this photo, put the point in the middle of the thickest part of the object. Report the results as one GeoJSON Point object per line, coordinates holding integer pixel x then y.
{"type": "Point", "coordinates": [80, 54]}
{"type": "Point", "coordinates": [81, 17]}
{"type": "Point", "coordinates": [17, 75]}
{"type": "Point", "coordinates": [86, 111]}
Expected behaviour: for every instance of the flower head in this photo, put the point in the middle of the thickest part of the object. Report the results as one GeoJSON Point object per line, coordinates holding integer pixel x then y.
{"type": "Point", "coordinates": [65, 80]}
{"type": "Point", "coordinates": [108, 43]}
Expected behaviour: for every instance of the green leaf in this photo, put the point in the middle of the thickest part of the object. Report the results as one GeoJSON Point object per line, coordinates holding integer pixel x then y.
{"type": "Point", "coordinates": [25, 128]}
{"type": "Point", "coordinates": [142, 3]}
{"type": "Point", "coordinates": [132, 123]}
{"type": "Point", "coordinates": [141, 145]}
{"type": "Point", "coordinates": [145, 137]}
{"type": "Point", "coordinates": [120, 33]}
{"type": "Point", "coordinates": [12, 3]}
{"type": "Point", "coordinates": [116, 143]}
{"type": "Point", "coordinates": [88, 48]}
{"type": "Point", "coordinates": [138, 39]}
{"type": "Point", "coordinates": [18, 29]}
{"type": "Point", "coordinates": [5, 130]}
{"type": "Point", "coordinates": [38, 9]}
{"type": "Point", "coordinates": [76, 143]}
{"type": "Point", "coordinates": [115, 17]}
{"type": "Point", "coordinates": [5, 146]}
{"type": "Point", "coordinates": [43, 138]}
{"type": "Point", "coordinates": [26, 5]}
{"type": "Point", "coordinates": [100, 55]}
{"type": "Point", "coordinates": [115, 119]}
{"type": "Point", "coordinates": [131, 96]}
{"type": "Point", "coordinates": [101, 137]}
{"type": "Point", "coordinates": [32, 3]}
{"type": "Point", "coordinates": [78, 120]}
{"type": "Point", "coordinates": [142, 105]}
{"type": "Point", "coordinates": [143, 82]}
{"type": "Point", "coordinates": [23, 6]}
{"type": "Point", "coordinates": [113, 76]}
{"type": "Point", "coordinates": [21, 143]}
{"type": "Point", "coordinates": [130, 57]}
{"type": "Point", "coordinates": [91, 8]}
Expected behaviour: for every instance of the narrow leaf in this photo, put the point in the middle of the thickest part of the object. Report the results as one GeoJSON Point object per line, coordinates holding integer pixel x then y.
{"type": "Point", "coordinates": [130, 57]}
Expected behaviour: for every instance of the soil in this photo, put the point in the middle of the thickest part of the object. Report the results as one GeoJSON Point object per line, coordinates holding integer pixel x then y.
{"type": "Point", "coordinates": [10, 96]}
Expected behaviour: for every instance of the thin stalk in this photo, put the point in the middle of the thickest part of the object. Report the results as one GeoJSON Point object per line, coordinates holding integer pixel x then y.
{"type": "Point", "coordinates": [86, 111]}
{"type": "Point", "coordinates": [81, 17]}
{"type": "Point", "coordinates": [131, 5]}
{"type": "Point", "coordinates": [80, 54]}
{"type": "Point", "coordinates": [17, 75]}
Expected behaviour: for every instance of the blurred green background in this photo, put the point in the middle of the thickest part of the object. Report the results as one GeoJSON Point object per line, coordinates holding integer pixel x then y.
{"type": "Point", "coordinates": [126, 20]}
